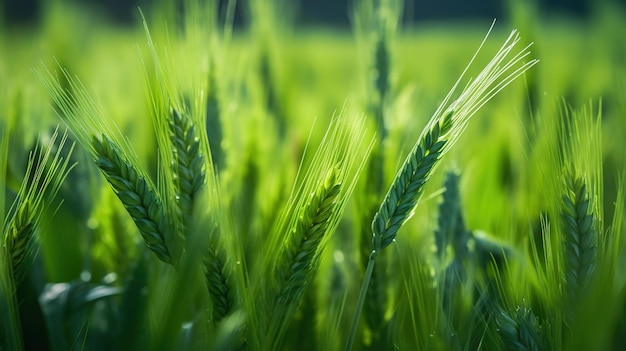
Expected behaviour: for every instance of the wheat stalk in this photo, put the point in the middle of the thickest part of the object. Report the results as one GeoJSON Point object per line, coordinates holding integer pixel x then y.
{"type": "Point", "coordinates": [138, 196]}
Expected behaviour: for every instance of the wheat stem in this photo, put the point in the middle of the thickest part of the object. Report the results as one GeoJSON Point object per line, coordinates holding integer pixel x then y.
{"type": "Point", "coordinates": [361, 301]}
{"type": "Point", "coordinates": [137, 195]}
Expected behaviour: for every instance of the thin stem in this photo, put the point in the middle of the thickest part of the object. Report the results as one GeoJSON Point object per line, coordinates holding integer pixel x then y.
{"type": "Point", "coordinates": [359, 307]}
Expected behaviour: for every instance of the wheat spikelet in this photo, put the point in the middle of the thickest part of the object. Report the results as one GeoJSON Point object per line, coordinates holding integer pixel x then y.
{"type": "Point", "coordinates": [188, 162]}
{"type": "Point", "coordinates": [580, 237]}
{"type": "Point", "coordinates": [137, 195]}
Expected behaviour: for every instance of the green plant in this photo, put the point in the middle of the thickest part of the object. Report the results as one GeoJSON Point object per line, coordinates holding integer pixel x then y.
{"type": "Point", "coordinates": [22, 223]}
{"type": "Point", "coordinates": [220, 201]}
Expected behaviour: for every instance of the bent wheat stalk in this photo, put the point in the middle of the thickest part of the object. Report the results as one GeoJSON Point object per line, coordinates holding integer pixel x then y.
{"type": "Point", "coordinates": [440, 134]}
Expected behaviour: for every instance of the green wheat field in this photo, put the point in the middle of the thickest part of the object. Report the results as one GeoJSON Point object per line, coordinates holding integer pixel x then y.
{"type": "Point", "coordinates": [185, 184]}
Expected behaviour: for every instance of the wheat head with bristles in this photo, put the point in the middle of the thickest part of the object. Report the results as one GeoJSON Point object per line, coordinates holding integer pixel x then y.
{"type": "Point", "coordinates": [581, 210]}
{"type": "Point", "coordinates": [440, 134]}
{"type": "Point", "coordinates": [120, 165]}
{"type": "Point", "coordinates": [312, 225]}
{"type": "Point", "coordinates": [520, 330]}
{"type": "Point", "coordinates": [218, 278]}
{"type": "Point", "coordinates": [44, 175]}
{"type": "Point", "coordinates": [182, 138]}
{"type": "Point", "coordinates": [307, 221]}
{"type": "Point", "coordinates": [138, 196]}
{"type": "Point", "coordinates": [580, 237]}
{"type": "Point", "coordinates": [188, 163]}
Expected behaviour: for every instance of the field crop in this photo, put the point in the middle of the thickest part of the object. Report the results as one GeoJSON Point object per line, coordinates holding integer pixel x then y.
{"type": "Point", "coordinates": [186, 184]}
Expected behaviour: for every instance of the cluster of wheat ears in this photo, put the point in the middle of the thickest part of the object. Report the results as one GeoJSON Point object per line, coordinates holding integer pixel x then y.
{"type": "Point", "coordinates": [230, 275]}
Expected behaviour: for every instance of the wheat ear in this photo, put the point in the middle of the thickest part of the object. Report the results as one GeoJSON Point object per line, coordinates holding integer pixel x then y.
{"type": "Point", "coordinates": [580, 237]}
{"type": "Point", "coordinates": [218, 282]}
{"type": "Point", "coordinates": [441, 133]}
{"type": "Point", "coordinates": [301, 256]}
{"type": "Point", "coordinates": [520, 330]}
{"type": "Point", "coordinates": [19, 240]}
{"type": "Point", "coordinates": [44, 175]}
{"type": "Point", "coordinates": [138, 196]}
{"type": "Point", "coordinates": [409, 184]}
{"type": "Point", "coordinates": [188, 165]}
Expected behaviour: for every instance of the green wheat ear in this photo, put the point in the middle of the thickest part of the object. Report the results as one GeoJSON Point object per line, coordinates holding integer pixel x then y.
{"type": "Point", "coordinates": [218, 277]}
{"type": "Point", "coordinates": [45, 173]}
{"type": "Point", "coordinates": [309, 219]}
{"type": "Point", "coordinates": [150, 206]}
{"type": "Point", "coordinates": [520, 330]}
{"type": "Point", "coordinates": [138, 196]}
{"type": "Point", "coordinates": [580, 237]}
{"type": "Point", "coordinates": [44, 176]}
{"type": "Point", "coordinates": [441, 133]}
{"type": "Point", "coordinates": [188, 165]}
{"type": "Point", "coordinates": [312, 225]}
